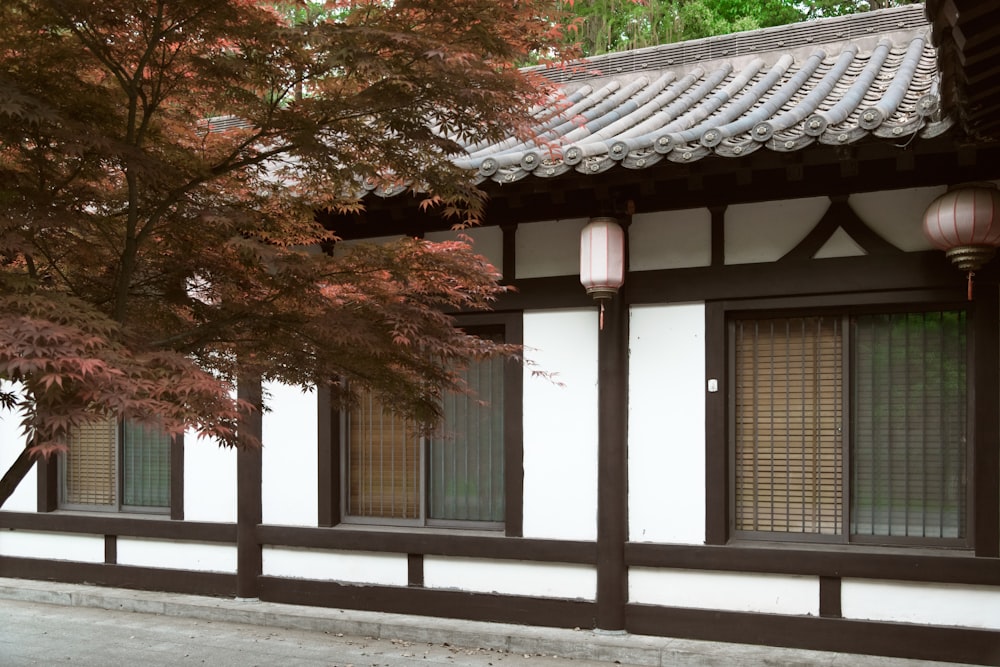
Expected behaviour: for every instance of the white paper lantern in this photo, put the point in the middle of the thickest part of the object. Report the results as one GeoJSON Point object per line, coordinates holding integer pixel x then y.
{"type": "Point", "coordinates": [602, 257]}
{"type": "Point", "coordinates": [965, 223]}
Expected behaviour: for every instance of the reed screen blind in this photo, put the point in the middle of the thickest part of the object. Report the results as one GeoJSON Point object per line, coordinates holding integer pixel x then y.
{"type": "Point", "coordinates": [789, 437]}
{"type": "Point", "coordinates": [852, 427]}
{"type": "Point", "coordinates": [90, 465]}
{"type": "Point", "coordinates": [383, 462]}
{"type": "Point", "coordinates": [394, 473]}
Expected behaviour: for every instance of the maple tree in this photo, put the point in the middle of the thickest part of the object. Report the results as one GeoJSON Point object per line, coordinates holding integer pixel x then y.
{"type": "Point", "coordinates": [161, 162]}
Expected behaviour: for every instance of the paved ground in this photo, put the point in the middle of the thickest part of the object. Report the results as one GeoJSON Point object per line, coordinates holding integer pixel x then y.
{"type": "Point", "coordinates": [34, 633]}
{"type": "Point", "coordinates": [65, 624]}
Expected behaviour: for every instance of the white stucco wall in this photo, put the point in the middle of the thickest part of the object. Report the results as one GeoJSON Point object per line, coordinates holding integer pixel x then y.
{"type": "Point", "coordinates": [289, 475]}
{"type": "Point", "coordinates": [666, 446]}
{"type": "Point", "coordinates": [487, 241]}
{"type": "Point", "coordinates": [897, 215]}
{"type": "Point", "coordinates": [342, 247]}
{"type": "Point", "coordinates": [209, 480]}
{"type": "Point", "coordinates": [670, 240]}
{"type": "Point", "coordinates": [560, 425]}
{"type": "Point", "coordinates": [765, 231]}
{"type": "Point", "coordinates": [932, 604]}
{"type": "Point", "coordinates": [549, 248]}
{"type": "Point", "coordinates": [728, 591]}
{"type": "Point", "coordinates": [350, 566]}
{"type": "Point", "coordinates": [55, 546]}
{"type": "Point", "coordinates": [840, 244]}
{"type": "Point", "coordinates": [175, 554]}
{"type": "Point", "coordinates": [511, 577]}
{"type": "Point", "coordinates": [24, 498]}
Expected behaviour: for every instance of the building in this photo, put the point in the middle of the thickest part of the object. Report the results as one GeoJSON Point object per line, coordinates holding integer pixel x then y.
{"type": "Point", "coordinates": [783, 428]}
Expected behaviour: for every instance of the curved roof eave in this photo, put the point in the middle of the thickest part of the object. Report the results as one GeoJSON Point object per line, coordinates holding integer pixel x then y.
{"type": "Point", "coordinates": [835, 81]}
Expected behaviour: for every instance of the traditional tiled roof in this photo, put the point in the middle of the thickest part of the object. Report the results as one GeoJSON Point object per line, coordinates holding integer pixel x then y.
{"type": "Point", "coordinates": [836, 81]}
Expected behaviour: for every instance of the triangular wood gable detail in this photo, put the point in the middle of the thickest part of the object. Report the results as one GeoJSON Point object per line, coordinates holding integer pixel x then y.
{"type": "Point", "coordinates": [840, 215]}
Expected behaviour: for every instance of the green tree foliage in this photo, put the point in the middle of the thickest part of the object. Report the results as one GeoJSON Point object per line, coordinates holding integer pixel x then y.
{"type": "Point", "coordinates": [824, 8]}
{"type": "Point", "coordinates": [604, 26]}
{"type": "Point", "coordinates": [152, 253]}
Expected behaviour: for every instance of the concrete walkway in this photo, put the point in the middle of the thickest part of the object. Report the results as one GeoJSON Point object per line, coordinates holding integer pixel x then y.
{"type": "Point", "coordinates": [45, 623]}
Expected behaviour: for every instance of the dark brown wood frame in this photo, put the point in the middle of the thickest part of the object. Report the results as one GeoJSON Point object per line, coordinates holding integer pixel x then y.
{"type": "Point", "coordinates": [985, 396]}
{"type": "Point", "coordinates": [48, 482]}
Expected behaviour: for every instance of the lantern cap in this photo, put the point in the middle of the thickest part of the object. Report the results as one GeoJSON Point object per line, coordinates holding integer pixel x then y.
{"type": "Point", "coordinates": [602, 293]}
{"type": "Point", "coordinates": [970, 257]}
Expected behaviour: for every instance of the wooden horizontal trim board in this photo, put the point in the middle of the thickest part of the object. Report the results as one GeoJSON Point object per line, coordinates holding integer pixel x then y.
{"type": "Point", "coordinates": [188, 582]}
{"type": "Point", "coordinates": [122, 526]}
{"type": "Point", "coordinates": [431, 544]}
{"type": "Point", "coordinates": [911, 270]}
{"type": "Point", "coordinates": [904, 640]}
{"type": "Point", "coordinates": [844, 562]}
{"type": "Point", "coordinates": [425, 602]}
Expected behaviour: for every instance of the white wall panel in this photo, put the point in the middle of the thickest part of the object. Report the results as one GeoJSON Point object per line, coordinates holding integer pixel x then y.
{"type": "Point", "coordinates": [24, 498]}
{"type": "Point", "coordinates": [511, 577]}
{"type": "Point", "coordinates": [487, 241]}
{"type": "Point", "coordinates": [289, 429]}
{"type": "Point", "coordinates": [55, 546]}
{"type": "Point", "coordinates": [933, 604]}
{"type": "Point", "coordinates": [560, 425]}
{"type": "Point", "coordinates": [177, 555]}
{"type": "Point", "coordinates": [666, 445]}
{"type": "Point", "coordinates": [730, 591]}
{"type": "Point", "coordinates": [840, 244]}
{"type": "Point", "coordinates": [350, 566]}
{"type": "Point", "coordinates": [670, 240]}
{"type": "Point", "coordinates": [549, 248]}
{"type": "Point", "coordinates": [897, 215]}
{"type": "Point", "coordinates": [765, 231]}
{"type": "Point", "coordinates": [209, 480]}
{"type": "Point", "coordinates": [341, 247]}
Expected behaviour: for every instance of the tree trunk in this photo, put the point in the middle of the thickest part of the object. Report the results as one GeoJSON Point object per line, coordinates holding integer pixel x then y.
{"type": "Point", "coordinates": [15, 474]}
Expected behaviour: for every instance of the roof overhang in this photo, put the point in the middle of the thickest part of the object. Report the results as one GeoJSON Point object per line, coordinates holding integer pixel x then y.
{"type": "Point", "coordinates": [967, 35]}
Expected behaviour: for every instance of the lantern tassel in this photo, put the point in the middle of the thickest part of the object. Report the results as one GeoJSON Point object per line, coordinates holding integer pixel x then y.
{"type": "Point", "coordinates": [971, 273]}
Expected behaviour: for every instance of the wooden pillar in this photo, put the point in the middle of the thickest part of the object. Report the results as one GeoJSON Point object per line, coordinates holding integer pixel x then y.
{"type": "Point", "coordinates": [249, 511]}
{"type": "Point", "coordinates": [328, 462]}
{"type": "Point", "coordinates": [612, 461]}
{"type": "Point", "coordinates": [986, 421]}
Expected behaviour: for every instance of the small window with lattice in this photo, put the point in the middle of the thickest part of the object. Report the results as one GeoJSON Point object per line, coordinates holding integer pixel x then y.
{"type": "Point", "coordinates": [113, 465]}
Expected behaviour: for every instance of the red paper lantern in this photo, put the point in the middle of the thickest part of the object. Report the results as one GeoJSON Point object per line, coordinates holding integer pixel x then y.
{"type": "Point", "coordinates": [965, 223]}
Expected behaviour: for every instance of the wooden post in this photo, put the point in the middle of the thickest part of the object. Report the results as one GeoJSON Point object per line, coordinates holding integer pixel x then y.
{"type": "Point", "coordinates": [249, 512]}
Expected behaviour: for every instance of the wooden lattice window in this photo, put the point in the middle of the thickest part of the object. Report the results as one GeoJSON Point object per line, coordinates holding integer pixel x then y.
{"type": "Point", "coordinates": [393, 473]}
{"type": "Point", "coordinates": [850, 427]}
{"type": "Point", "coordinates": [112, 465]}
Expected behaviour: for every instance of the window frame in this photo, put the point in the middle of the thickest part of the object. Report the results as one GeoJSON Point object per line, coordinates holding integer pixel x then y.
{"type": "Point", "coordinates": [846, 318]}
{"type": "Point", "coordinates": [983, 393]}
{"type": "Point", "coordinates": [119, 505]}
{"type": "Point", "coordinates": [51, 474]}
{"type": "Point", "coordinates": [333, 446]}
